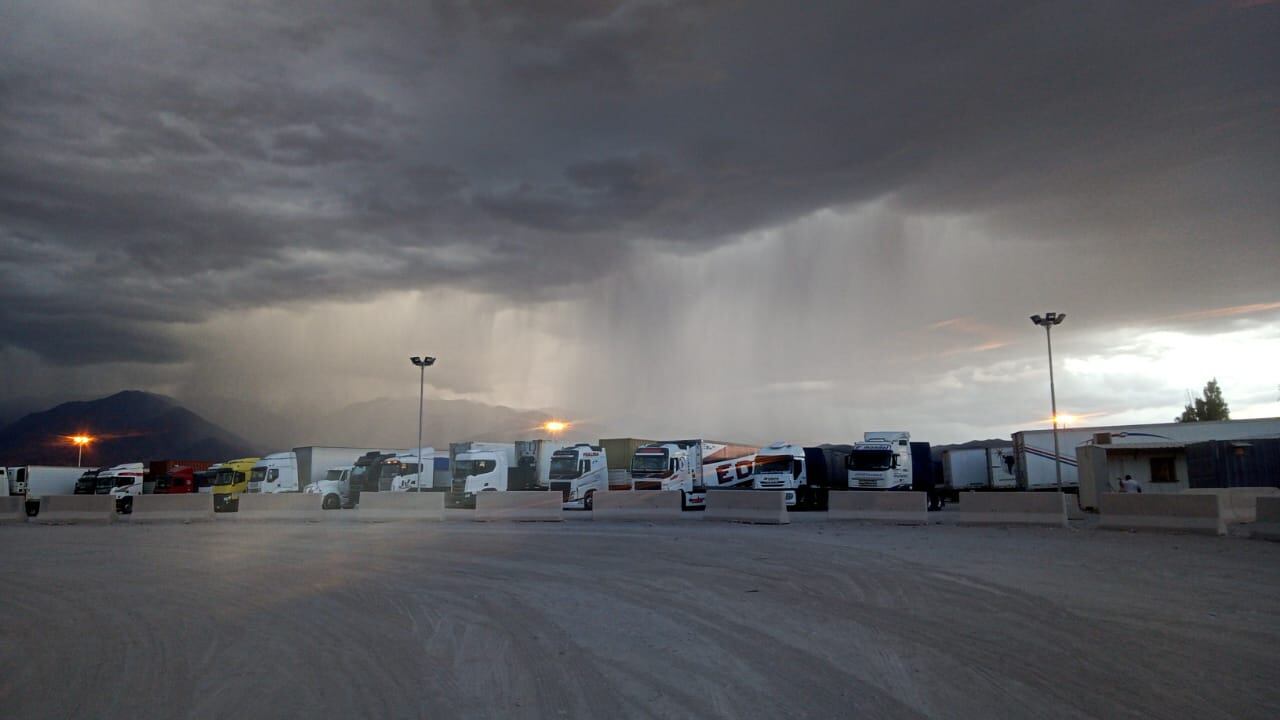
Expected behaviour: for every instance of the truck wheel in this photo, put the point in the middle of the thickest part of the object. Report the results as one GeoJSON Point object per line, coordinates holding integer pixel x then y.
{"type": "Point", "coordinates": [330, 502]}
{"type": "Point", "coordinates": [589, 501]}
{"type": "Point", "coordinates": [126, 505]}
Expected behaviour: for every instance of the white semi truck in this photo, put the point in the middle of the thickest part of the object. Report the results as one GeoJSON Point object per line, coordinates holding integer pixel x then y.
{"type": "Point", "coordinates": [578, 472]}
{"type": "Point", "coordinates": [488, 467]}
{"type": "Point", "coordinates": [882, 461]}
{"type": "Point", "coordinates": [127, 481]}
{"type": "Point", "coordinates": [781, 466]}
{"type": "Point", "coordinates": [277, 470]}
{"type": "Point", "coordinates": [692, 466]}
{"type": "Point", "coordinates": [36, 481]}
{"type": "Point", "coordinates": [334, 487]}
{"type": "Point", "coordinates": [400, 473]}
{"type": "Point", "coordinates": [297, 469]}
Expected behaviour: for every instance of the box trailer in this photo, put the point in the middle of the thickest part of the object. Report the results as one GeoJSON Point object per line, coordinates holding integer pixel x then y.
{"type": "Point", "coordinates": [36, 481]}
{"type": "Point", "coordinates": [312, 463]}
{"type": "Point", "coordinates": [965, 469]}
{"type": "Point", "coordinates": [692, 467]}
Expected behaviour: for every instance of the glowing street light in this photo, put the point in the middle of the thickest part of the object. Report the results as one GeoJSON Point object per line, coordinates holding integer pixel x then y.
{"type": "Point", "coordinates": [1047, 322]}
{"type": "Point", "coordinates": [80, 441]}
{"type": "Point", "coordinates": [423, 363]}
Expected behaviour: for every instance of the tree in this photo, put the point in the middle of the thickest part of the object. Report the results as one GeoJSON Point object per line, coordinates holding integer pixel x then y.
{"type": "Point", "coordinates": [1210, 407]}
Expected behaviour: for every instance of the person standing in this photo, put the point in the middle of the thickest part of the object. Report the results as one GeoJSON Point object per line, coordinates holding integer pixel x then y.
{"type": "Point", "coordinates": [1130, 485]}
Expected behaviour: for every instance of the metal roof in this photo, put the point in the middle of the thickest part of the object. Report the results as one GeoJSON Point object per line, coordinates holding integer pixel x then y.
{"type": "Point", "coordinates": [1152, 445]}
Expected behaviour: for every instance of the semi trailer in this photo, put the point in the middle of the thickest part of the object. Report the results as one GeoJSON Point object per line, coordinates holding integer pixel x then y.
{"type": "Point", "coordinates": [36, 481]}
{"type": "Point", "coordinates": [400, 473]}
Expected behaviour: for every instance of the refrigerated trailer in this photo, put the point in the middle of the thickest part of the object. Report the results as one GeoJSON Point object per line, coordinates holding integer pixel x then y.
{"type": "Point", "coordinates": [36, 481]}
{"type": "Point", "coordinates": [965, 469]}
{"type": "Point", "coordinates": [1035, 465]}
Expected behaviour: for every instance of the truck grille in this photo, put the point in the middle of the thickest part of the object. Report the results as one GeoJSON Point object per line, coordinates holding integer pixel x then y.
{"type": "Point", "coordinates": [771, 483]}
{"type": "Point", "coordinates": [459, 486]}
{"type": "Point", "coordinates": [866, 483]}
{"type": "Point", "coordinates": [648, 485]}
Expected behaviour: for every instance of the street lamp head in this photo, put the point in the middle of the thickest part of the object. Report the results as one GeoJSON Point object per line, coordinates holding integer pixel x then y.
{"type": "Point", "coordinates": [422, 361]}
{"type": "Point", "coordinates": [415, 360]}
{"type": "Point", "coordinates": [428, 361]}
{"type": "Point", "coordinates": [1060, 317]}
{"type": "Point", "coordinates": [1037, 319]}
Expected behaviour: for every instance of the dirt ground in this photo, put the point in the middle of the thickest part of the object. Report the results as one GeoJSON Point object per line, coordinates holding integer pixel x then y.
{"type": "Point", "coordinates": [596, 620]}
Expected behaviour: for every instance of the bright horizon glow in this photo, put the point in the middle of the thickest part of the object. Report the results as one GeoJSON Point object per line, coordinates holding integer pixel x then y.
{"type": "Point", "coordinates": [555, 427]}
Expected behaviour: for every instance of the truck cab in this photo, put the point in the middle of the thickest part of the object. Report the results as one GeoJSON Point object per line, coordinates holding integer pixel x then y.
{"type": "Point", "coordinates": [479, 467]}
{"type": "Point", "coordinates": [675, 465]}
{"type": "Point", "coordinates": [87, 484]}
{"type": "Point", "coordinates": [578, 473]}
{"type": "Point", "coordinates": [123, 482]}
{"type": "Point", "coordinates": [179, 480]}
{"type": "Point", "coordinates": [277, 472]}
{"type": "Point", "coordinates": [335, 488]}
{"type": "Point", "coordinates": [231, 480]}
{"type": "Point", "coordinates": [204, 478]}
{"type": "Point", "coordinates": [882, 461]}
{"type": "Point", "coordinates": [781, 466]}
{"type": "Point", "coordinates": [399, 473]}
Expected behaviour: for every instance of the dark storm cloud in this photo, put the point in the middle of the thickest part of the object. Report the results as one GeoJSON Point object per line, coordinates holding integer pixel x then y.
{"type": "Point", "coordinates": [162, 161]}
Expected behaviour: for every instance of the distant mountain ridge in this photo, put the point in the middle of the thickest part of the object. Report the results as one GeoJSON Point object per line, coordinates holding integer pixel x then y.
{"type": "Point", "coordinates": [129, 426]}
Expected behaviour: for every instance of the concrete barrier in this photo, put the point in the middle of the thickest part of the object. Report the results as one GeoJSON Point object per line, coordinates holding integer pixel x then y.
{"type": "Point", "coordinates": [395, 506]}
{"type": "Point", "coordinates": [13, 509]}
{"type": "Point", "coordinates": [189, 507]}
{"type": "Point", "coordinates": [1266, 526]}
{"type": "Point", "coordinates": [279, 506]}
{"type": "Point", "coordinates": [1162, 512]}
{"type": "Point", "coordinates": [1009, 508]}
{"type": "Point", "coordinates": [900, 508]}
{"type": "Point", "coordinates": [519, 505]}
{"type": "Point", "coordinates": [57, 509]}
{"type": "Point", "coordinates": [639, 505]}
{"type": "Point", "coordinates": [764, 507]}
{"type": "Point", "coordinates": [1238, 503]}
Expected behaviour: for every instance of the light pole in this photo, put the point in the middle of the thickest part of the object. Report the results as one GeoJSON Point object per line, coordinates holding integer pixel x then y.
{"type": "Point", "coordinates": [1047, 322]}
{"type": "Point", "coordinates": [423, 363]}
{"type": "Point", "coordinates": [80, 441]}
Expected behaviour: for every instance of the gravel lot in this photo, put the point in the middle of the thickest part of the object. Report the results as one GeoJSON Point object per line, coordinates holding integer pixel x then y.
{"type": "Point", "coordinates": [597, 620]}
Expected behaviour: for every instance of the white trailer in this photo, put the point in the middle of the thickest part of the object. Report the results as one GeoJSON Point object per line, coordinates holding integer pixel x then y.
{"type": "Point", "coordinates": [35, 481]}
{"type": "Point", "coordinates": [578, 472]}
{"type": "Point", "coordinates": [489, 467]}
{"type": "Point", "coordinates": [1001, 463]}
{"type": "Point", "coordinates": [400, 473]}
{"type": "Point", "coordinates": [882, 461]}
{"type": "Point", "coordinates": [1035, 459]}
{"type": "Point", "coordinates": [965, 469]}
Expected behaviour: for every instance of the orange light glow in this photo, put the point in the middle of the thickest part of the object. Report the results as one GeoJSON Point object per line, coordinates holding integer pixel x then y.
{"type": "Point", "coordinates": [81, 439]}
{"type": "Point", "coordinates": [555, 427]}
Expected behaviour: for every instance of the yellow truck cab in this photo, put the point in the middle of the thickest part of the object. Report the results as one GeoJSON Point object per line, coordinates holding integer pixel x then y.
{"type": "Point", "coordinates": [231, 481]}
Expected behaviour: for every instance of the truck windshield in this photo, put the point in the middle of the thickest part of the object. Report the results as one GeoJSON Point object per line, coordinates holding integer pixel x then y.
{"type": "Point", "coordinates": [257, 475]}
{"type": "Point", "coordinates": [773, 463]}
{"type": "Point", "coordinates": [357, 476]}
{"type": "Point", "coordinates": [105, 483]}
{"type": "Point", "coordinates": [333, 475]}
{"type": "Point", "coordinates": [467, 468]}
{"type": "Point", "coordinates": [564, 467]}
{"type": "Point", "coordinates": [649, 463]}
{"type": "Point", "coordinates": [870, 460]}
{"type": "Point", "coordinates": [227, 477]}
{"type": "Point", "coordinates": [204, 478]}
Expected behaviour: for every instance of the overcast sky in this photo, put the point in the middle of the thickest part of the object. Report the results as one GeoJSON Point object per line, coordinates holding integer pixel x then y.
{"type": "Point", "coordinates": [746, 220]}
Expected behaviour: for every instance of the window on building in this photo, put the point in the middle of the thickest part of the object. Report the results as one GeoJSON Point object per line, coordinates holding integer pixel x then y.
{"type": "Point", "coordinates": [1162, 470]}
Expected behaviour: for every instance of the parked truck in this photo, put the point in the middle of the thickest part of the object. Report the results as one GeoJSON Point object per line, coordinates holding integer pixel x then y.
{"type": "Point", "coordinates": [488, 467]}
{"type": "Point", "coordinates": [87, 484]}
{"type": "Point", "coordinates": [36, 481]}
{"type": "Point", "coordinates": [691, 467]}
{"type": "Point", "coordinates": [312, 463]}
{"type": "Point", "coordinates": [400, 472]}
{"type": "Point", "coordinates": [181, 478]}
{"type": "Point", "coordinates": [123, 483]}
{"type": "Point", "coordinates": [782, 466]}
{"type": "Point", "coordinates": [334, 487]}
{"type": "Point", "coordinates": [882, 461]}
{"type": "Point", "coordinates": [578, 472]}
{"type": "Point", "coordinates": [230, 482]}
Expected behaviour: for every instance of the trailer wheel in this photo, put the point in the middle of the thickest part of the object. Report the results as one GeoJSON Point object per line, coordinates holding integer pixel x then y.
{"type": "Point", "coordinates": [330, 502]}
{"type": "Point", "coordinates": [589, 501]}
